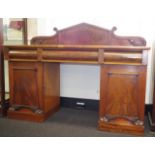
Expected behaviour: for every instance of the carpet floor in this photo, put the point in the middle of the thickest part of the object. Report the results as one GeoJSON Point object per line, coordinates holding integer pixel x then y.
{"type": "Point", "coordinates": [65, 123]}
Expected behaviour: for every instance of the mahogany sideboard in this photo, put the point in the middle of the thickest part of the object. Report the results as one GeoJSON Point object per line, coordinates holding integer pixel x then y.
{"type": "Point", "coordinates": [34, 75]}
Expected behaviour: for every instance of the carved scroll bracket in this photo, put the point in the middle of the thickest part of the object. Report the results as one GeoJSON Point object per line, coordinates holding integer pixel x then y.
{"type": "Point", "coordinates": [57, 34]}
{"type": "Point", "coordinates": [122, 120]}
{"type": "Point", "coordinates": [20, 107]}
{"type": "Point", "coordinates": [114, 28]}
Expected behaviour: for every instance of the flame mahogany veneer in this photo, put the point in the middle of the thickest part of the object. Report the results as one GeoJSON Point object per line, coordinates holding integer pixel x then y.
{"type": "Point", "coordinates": [35, 75]}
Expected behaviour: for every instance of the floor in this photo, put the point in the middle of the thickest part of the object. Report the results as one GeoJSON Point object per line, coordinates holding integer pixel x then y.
{"type": "Point", "coordinates": [65, 123]}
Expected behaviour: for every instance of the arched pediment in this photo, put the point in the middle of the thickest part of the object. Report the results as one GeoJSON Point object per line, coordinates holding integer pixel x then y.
{"type": "Point", "coordinates": [87, 34]}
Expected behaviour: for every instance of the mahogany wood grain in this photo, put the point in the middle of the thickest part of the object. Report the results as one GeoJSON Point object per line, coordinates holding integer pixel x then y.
{"type": "Point", "coordinates": [24, 83]}
{"type": "Point", "coordinates": [77, 54]}
{"type": "Point", "coordinates": [122, 98]}
{"type": "Point", "coordinates": [86, 34]}
{"type": "Point", "coordinates": [78, 47]}
{"type": "Point", "coordinates": [33, 86]}
{"type": "Point", "coordinates": [120, 128]}
{"type": "Point", "coordinates": [51, 86]}
{"type": "Point", "coordinates": [35, 75]}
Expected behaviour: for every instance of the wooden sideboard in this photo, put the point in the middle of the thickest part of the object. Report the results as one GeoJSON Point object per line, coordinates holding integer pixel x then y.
{"type": "Point", "coordinates": [34, 74]}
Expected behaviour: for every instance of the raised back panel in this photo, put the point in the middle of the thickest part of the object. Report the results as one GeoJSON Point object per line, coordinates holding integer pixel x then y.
{"type": "Point", "coordinates": [86, 34]}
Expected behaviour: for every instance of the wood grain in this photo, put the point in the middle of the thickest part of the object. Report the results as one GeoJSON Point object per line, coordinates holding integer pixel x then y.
{"type": "Point", "coordinates": [51, 86]}
{"type": "Point", "coordinates": [122, 96]}
{"type": "Point", "coordinates": [87, 34]}
{"type": "Point", "coordinates": [35, 75]}
{"type": "Point", "coordinates": [77, 54]}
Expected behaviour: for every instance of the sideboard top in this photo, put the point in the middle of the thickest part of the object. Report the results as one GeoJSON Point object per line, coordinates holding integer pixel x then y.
{"type": "Point", "coordinates": [78, 47]}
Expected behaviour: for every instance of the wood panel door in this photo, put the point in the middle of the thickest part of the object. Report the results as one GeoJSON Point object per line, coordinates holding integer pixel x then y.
{"type": "Point", "coordinates": [25, 84]}
{"type": "Point", "coordinates": [34, 90]}
{"type": "Point", "coordinates": [122, 97]}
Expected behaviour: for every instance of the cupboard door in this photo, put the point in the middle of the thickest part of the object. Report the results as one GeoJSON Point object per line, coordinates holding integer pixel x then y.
{"type": "Point", "coordinates": [122, 95]}
{"type": "Point", "coordinates": [24, 84]}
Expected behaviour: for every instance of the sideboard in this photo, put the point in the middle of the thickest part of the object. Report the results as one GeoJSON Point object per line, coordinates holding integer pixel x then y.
{"type": "Point", "coordinates": [34, 75]}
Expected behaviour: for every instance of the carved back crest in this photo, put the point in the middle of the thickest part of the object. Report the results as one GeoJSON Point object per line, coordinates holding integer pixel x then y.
{"type": "Point", "coordinates": [86, 34]}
